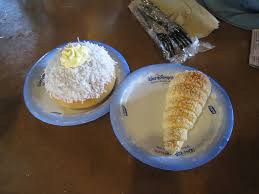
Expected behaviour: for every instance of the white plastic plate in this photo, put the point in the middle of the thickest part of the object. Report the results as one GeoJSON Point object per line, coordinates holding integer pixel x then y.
{"type": "Point", "coordinates": [42, 107]}
{"type": "Point", "coordinates": [136, 116]}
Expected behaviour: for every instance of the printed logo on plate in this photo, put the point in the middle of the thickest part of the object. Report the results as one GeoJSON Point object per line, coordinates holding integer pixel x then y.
{"type": "Point", "coordinates": [41, 81]}
{"type": "Point", "coordinates": [212, 109]}
{"type": "Point", "coordinates": [124, 111]}
{"type": "Point", "coordinates": [186, 150]}
{"type": "Point", "coordinates": [158, 78]}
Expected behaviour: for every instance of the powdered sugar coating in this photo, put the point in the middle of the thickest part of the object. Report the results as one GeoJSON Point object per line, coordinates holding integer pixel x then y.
{"type": "Point", "coordinates": [87, 81]}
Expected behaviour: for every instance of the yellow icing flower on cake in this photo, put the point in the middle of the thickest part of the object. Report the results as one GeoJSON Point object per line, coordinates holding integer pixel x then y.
{"type": "Point", "coordinates": [74, 55]}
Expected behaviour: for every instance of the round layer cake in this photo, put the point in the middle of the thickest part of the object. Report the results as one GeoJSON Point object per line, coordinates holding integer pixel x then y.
{"type": "Point", "coordinates": [81, 75]}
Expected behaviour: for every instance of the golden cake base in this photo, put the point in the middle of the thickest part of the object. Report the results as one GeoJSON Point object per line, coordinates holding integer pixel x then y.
{"type": "Point", "coordinates": [88, 103]}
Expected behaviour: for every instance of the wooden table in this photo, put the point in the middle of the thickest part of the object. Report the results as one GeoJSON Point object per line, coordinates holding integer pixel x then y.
{"type": "Point", "coordinates": [37, 158]}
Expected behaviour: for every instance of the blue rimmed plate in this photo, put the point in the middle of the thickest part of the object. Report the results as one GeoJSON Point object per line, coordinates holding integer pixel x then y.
{"type": "Point", "coordinates": [42, 107]}
{"type": "Point", "coordinates": [136, 115]}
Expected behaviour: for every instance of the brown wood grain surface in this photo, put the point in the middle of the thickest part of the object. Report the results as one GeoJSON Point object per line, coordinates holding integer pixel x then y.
{"type": "Point", "coordinates": [37, 158]}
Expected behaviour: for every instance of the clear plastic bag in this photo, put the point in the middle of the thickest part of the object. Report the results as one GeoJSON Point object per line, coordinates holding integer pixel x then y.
{"type": "Point", "coordinates": [174, 43]}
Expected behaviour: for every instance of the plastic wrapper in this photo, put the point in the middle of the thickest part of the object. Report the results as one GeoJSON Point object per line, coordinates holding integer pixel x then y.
{"type": "Point", "coordinates": [174, 43]}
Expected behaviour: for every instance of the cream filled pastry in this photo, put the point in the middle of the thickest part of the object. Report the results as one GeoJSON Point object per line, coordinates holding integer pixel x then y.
{"type": "Point", "coordinates": [81, 75]}
{"type": "Point", "coordinates": [186, 97]}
